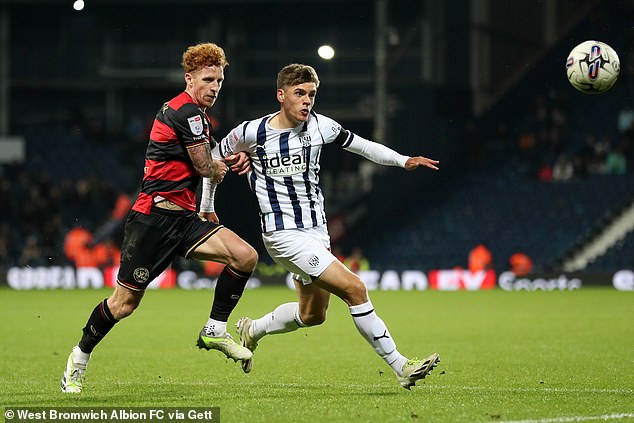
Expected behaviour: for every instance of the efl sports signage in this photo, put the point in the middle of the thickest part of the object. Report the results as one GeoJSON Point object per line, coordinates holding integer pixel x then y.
{"type": "Point", "coordinates": [52, 277]}
{"type": "Point", "coordinates": [68, 277]}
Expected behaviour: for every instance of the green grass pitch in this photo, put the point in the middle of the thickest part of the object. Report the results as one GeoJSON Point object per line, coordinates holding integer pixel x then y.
{"type": "Point", "coordinates": [505, 356]}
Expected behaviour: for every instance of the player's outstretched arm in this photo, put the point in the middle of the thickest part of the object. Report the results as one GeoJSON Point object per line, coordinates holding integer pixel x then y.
{"type": "Point", "coordinates": [381, 154]}
{"type": "Point", "coordinates": [414, 162]}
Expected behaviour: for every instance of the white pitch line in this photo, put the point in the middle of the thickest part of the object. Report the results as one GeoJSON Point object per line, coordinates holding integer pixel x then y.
{"type": "Point", "coordinates": [574, 418]}
{"type": "Point", "coordinates": [545, 389]}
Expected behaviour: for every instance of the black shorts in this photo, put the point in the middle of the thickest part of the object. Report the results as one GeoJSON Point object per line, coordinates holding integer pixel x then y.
{"type": "Point", "coordinates": [151, 241]}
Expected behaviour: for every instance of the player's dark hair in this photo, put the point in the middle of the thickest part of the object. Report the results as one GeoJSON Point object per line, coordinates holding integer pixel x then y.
{"type": "Point", "coordinates": [295, 74]}
{"type": "Point", "coordinates": [202, 55]}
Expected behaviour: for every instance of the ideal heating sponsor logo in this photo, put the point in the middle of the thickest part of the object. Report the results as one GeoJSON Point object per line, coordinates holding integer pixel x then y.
{"type": "Point", "coordinates": [284, 165]}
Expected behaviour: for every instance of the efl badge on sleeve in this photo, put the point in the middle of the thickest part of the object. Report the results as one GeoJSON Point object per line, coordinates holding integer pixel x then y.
{"type": "Point", "coordinates": [196, 124]}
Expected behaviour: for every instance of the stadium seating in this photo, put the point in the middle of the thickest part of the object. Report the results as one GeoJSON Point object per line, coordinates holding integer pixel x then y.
{"type": "Point", "coordinates": [506, 212]}
{"type": "Point", "coordinates": [619, 256]}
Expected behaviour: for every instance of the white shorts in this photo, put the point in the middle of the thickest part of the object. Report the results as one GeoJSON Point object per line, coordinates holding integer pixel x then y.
{"type": "Point", "coordinates": [304, 252]}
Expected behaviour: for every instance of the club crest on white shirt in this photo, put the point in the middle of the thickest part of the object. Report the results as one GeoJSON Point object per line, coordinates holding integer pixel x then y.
{"type": "Point", "coordinates": [305, 140]}
{"type": "Point", "coordinates": [195, 124]}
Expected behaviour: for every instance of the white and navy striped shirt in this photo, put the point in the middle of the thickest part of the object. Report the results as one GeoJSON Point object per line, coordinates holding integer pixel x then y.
{"type": "Point", "coordinates": [285, 166]}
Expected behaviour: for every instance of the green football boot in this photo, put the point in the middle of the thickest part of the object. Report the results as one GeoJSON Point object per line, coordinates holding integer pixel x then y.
{"type": "Point", "coordinates": [224, 344]}
{"type": "Point", "coordinates": [74, 375]}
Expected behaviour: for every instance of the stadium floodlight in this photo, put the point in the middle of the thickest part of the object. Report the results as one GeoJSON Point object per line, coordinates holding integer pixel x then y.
{"type": "Point", "coordinates": [326, 52]}
{"type": "Point", "coordinates": [78, 5]}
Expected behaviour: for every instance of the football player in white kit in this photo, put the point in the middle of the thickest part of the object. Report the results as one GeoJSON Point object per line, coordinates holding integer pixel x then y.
{"type": "Point", "coordinates": [285, 148]}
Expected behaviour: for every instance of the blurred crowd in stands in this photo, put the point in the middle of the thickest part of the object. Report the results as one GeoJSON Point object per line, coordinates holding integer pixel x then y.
{"type": "Point", "coordinates": [555, 133]}
{"type": "Point", "coordinates": [552, 151]}
{"type": "Point", "coordinates": [42, 220]}
{"type": "Point", "coordinates": [56, 208]}
{"type": "Point", "coordinates": [548, 145]}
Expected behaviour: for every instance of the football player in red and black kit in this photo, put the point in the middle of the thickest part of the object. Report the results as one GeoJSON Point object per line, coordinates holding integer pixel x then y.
{"type": "Point", "coordinates": [163, 222]}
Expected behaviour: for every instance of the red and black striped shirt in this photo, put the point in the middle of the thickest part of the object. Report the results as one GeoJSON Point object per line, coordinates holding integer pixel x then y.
{"type": "Point", "coordinates": [169, 172]}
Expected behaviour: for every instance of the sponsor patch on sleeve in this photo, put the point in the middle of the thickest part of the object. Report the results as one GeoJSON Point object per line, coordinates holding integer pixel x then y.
{"type": "Point", "coordinates": [195, 124]}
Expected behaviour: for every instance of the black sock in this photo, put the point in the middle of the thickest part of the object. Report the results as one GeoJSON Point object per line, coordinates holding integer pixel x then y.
{"type": "Point", "coordinates": [99, 324]}
{"type": "Point", "coordinates": [229, 289]}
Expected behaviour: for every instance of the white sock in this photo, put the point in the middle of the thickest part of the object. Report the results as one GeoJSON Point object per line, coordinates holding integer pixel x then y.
{"type": "Point", "coordinates": [285, 318]}
{"type": "Point", "coordinates": [80, 357]}
{"type": "Point", "coordinates": [373, 329]}
{"type": "Point", "coordinates": [215, 327]}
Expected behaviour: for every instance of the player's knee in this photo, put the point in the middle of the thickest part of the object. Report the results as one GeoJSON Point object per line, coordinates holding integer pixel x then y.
{"type": "Point", "coordinates": [246, 258]}
{"type": "Point", "coordinates": [314, 318]}
{"type": "Point", "coordinates": [356, 291]}
{"type": "Point", "coordinates": [252, 258]}
{"type": "Point", "coordinates": [122, 309]}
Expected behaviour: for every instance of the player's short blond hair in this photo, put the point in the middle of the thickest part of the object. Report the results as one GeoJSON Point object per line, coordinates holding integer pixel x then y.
{"type": "Point", "coordinates": [295, 74]}
{"type": "Point", "coordinates": [203, 55]}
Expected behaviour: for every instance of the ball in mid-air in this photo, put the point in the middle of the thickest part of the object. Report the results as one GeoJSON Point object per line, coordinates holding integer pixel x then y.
{"type": "Point", "coordinates": [593, 67]}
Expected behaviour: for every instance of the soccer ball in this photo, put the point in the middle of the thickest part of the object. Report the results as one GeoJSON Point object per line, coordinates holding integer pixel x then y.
{"type": "Point", "coordinates": [592, 67]}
